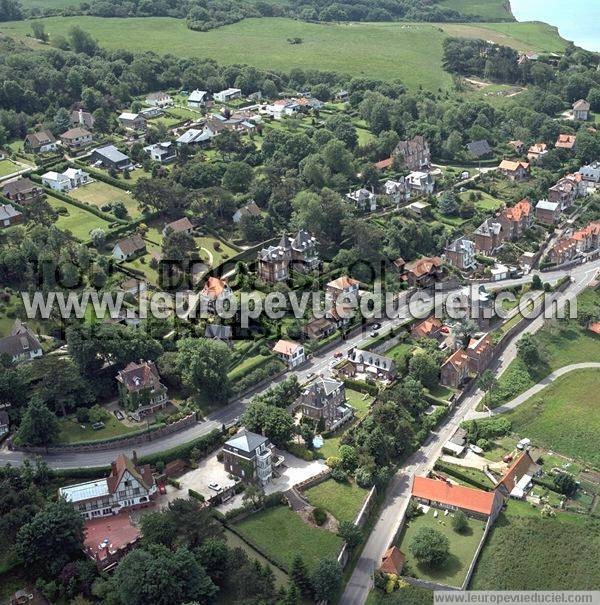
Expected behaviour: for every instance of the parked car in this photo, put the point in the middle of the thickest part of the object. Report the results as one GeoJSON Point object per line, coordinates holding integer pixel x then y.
{"type": "Point", "coordinates": [310, 374]}
{"type": "Point", "coordinates": [376, 326]}
{"type": "Point", "coordinates": [338, 354]}
{"type": "Point", "coordinates": [475, 448]}
{"type": "Point", "coordinates": [216, 487]}
{"type": "Point", "coordinates": [98, 425]}
{"type": "Point", "coordinates": [507, 458]}
{"type": "Point", "coordinates": [374, 334]}
{"type": "Point", "coordinates": [523, 444]}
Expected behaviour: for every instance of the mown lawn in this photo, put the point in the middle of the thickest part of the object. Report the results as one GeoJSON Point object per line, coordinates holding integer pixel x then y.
{"type": "Point", "coordinates": [565, 416]}
{"type": "Point", "coordinates": [99, 193]}
{"type": "Point", "coordinates": [78, 221]}
{"type": "Point", "coordinates": [462, 548]}
{"type": "Point", "coordinates": [282, 534]}
{"type": "Point", "coordinates": [342, 500]}
{"type": "Point", "coordinates": [487, 202]}
{"type": "Point", "coordinates": [8, 167]}
{"type": "Point", "coordinates": [72, 432]}
{"type": "Point", "coordinates": [361, 403]}
{"type": "Point", "coordinates": [527, 552]}
{"type": "Point", "coordinates": [215, 256]}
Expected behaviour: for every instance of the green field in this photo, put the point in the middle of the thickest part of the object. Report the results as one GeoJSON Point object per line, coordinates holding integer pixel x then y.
{"type": "Point", "coordinates": [527, 552]}
{"type": "Point", "coordinates": [487, 9]}
{"type": "Point", "coordinates": [78, 221]}
{"type": "Point", "coordinates": [8, 167]}
{"type": "Point", "coordinates": [281, 533]}
{"type": "Point", "coordinates": [408, 595]}
{"type": "Point", "coordinates": [563, 344]}
{"type": "Point", "coordinates": [72, 432]}
{"type": "Point", "coordinates": [462, 548]}
{"type": "Point", "coordinates": [520, 36]}
{"type": "Point", "coordinates": [99, 193]}
{"type": "Point", "coordinates": [342, 500]}
{"type": "Point", "coordinates": [565, 416]}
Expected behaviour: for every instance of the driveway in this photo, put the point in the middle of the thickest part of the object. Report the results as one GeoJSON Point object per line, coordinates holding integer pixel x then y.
{"type": "Point", "coordinates": [209, 470]}
{"type": "Point", "coordinates": [293, 471]}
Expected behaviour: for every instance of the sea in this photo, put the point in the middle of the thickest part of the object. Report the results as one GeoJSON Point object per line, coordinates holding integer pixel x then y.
{"type": "Point", "coordinates": [577, 20]}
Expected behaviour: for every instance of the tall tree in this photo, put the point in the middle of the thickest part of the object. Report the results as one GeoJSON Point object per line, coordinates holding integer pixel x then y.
{"type": "Point", "coordinates": [39, 425]}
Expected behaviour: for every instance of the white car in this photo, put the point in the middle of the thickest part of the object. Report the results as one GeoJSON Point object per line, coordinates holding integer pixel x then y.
{"type": "Point", "coordinates": [215, 487]}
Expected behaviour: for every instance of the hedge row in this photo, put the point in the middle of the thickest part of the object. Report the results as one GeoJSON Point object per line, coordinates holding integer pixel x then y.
{"type": "Point", "coordinates": [192, 493]}
{"type": "Point", "coordinates": [440, 465]}
{"type": "Point", "coordinates": [102, 177]}
{"type": "Point", "coordinates": [204, 444]}
{"type": "Point", "coordinates": [361, 387]}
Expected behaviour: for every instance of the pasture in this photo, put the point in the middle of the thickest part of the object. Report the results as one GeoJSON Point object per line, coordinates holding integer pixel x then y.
{"type": "Point", "coordinates": [492, 10]}
{"type": "Point", "coordinates": [410, 52]}
{"type": "Point", "coordinates": [527, 552]}
{"type": "Point", "coordinates": [564, 417]}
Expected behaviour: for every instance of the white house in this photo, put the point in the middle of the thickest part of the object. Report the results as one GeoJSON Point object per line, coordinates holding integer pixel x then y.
{"type": "Point", "coordinates": [21, 345]}
{"type": "Point", "coordinates": [129, 247]}
{"type": "Point", "coordinates": [159, 99]}
{"type": "Point", "coordinates": [421, 182]}
{"type": "Point", "coordinates": [161, 152]}
{"type": "Point", "coordinates": [77, 177]}
{"type": "Point", "coordinates": [291, 352]}
{"type": "Point", "coordinates": [56, 181]}
{"type": "Point", "coordinates": [363, 199]}
{"type": "Point", "coordinates": [228, 95]}
{"type": "Point", "coordinates": [398, 191]}
{"type": "Point", "coordinates": [127, 487]}
{"type": "Point", "coordinates": [250, 209]}
{"type": "Point", "coordinates": [198, 99]}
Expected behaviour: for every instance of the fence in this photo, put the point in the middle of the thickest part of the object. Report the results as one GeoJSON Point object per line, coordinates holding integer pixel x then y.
{"type": "Point", "coordinates": [135, 439]}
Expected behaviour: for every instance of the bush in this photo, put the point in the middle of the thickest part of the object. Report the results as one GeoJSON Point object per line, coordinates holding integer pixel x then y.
{"type": "Point", "coordinates": [460, 522]}
{"type": "Point", "coordinates": [319, 515]}
{"type": "Point", "coordinates": [272, 500]}
{"type": "Point", "coordinates": [82, 415]}
{"type": "Point", "coordinates": [194, 494]}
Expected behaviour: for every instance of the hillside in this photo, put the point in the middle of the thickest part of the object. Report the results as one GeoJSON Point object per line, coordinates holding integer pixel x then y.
{"type": "Point", "coordinates": [410, 52]}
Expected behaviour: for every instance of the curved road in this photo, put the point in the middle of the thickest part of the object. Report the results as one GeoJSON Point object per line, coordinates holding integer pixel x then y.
{"type": "Point", "coordinates": [319, 364]}
{"type": "Point", "coordinates": [540, 386]}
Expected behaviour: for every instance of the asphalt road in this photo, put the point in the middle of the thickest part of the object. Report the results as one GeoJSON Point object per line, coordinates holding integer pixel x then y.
{"type": "Point", "coordinates": [398, 493]}
{"type": "Point", "coordinates": [319, 364]}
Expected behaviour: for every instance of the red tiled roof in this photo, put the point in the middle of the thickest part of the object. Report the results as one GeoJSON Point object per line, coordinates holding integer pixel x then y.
{"type": "Point", "coordinates": [285, 347]}
{"type": "Point", "coordinates": [423, 266]}
{"type": "Point", "coordinates": [518, 211]}
{"type": "Point", "coordinates": [458, 359]}
{"type": "Point", "coordinates": [383, 164]}
{"type": "Point", "coordinates": [343, 282]}
{"type": "Point", "coordinates": [467, 498]}
{"type": "Point", "coordinates": [565, 141]}
{"type": "Point", "coordinates": [427, 326]}
{"type": "Point", "coordinates": [595, 327]}
{"type": "Point", "coordinates": [516, 471]}
{"type": "Point", "coordinates": [213, 288]}
{"type": "Point", "coordinates": [392, 561]}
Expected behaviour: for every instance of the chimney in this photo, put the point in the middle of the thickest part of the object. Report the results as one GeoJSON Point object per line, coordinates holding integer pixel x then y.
{"type": "Point", "coordinates": [134, 458]}
{"type": "Point", "coordinates": [81, 116]}
{"type": "Point", "coordinates": [113, 467]}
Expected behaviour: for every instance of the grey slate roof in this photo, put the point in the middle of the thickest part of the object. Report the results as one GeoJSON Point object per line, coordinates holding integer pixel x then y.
{"type": "Point", "coordinates": [246, 441]}
{"type": "Point", "coordinates": [111, 153]}
{"type": "Point", "coordinates": [479, 148]}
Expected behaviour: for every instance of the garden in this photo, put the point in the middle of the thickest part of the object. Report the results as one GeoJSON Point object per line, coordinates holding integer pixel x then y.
{"type": "Point", "coordinates": [462, 546]}
{"type": "Point", "coordinates": [280, 534]}
{"type": "Point", "coordinates": [343, 500]}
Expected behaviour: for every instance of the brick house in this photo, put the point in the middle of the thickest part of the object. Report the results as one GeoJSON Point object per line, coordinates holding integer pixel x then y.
{"type": "Point", "coordinates": [9, 216]}
{"type": "Point", "coordinates": [455, 370]}
{"type": "Point", "coordinates": [298, 253]}
{"type": "Point", "coordinates": [325, 399]}
{"type": "Point", "coordinates": [563, 251]}
{"type": "Point", "coordinates": [249, 456]}
{"type": "Point", "coordinates": [423, 272]}
{"type": "Point", "coordinates": [461, 254]}
{"type": "Point", "coordinates": [566, 191]}
{"type": "Point", "coordinates": [344, 287]}
{"type": "Point", "coordinates": [588, 238]}
{"type": "Point", "coordinates": [140, 388]}
{"type": "Point", "coordinates": [414, 153]}
{"type": "Point", "coordinates": [428, 328]}
{"type": "Point", "coordinates": [373, 365]}
{"type": "Point", "coordinates": [488, 236]}
{"type": "Point", "coordinates": [547, 212]}
{"type": "Point", "coordinates": [516, 220]}
{"type": "Point", "coordinates": [515, 170]}
{"type": "Point", "coordinates": [480, 352]}
{"type": "Point", "coordinates": [318, 328]}
{"type": "Point", "coordinates": [21, 190]}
